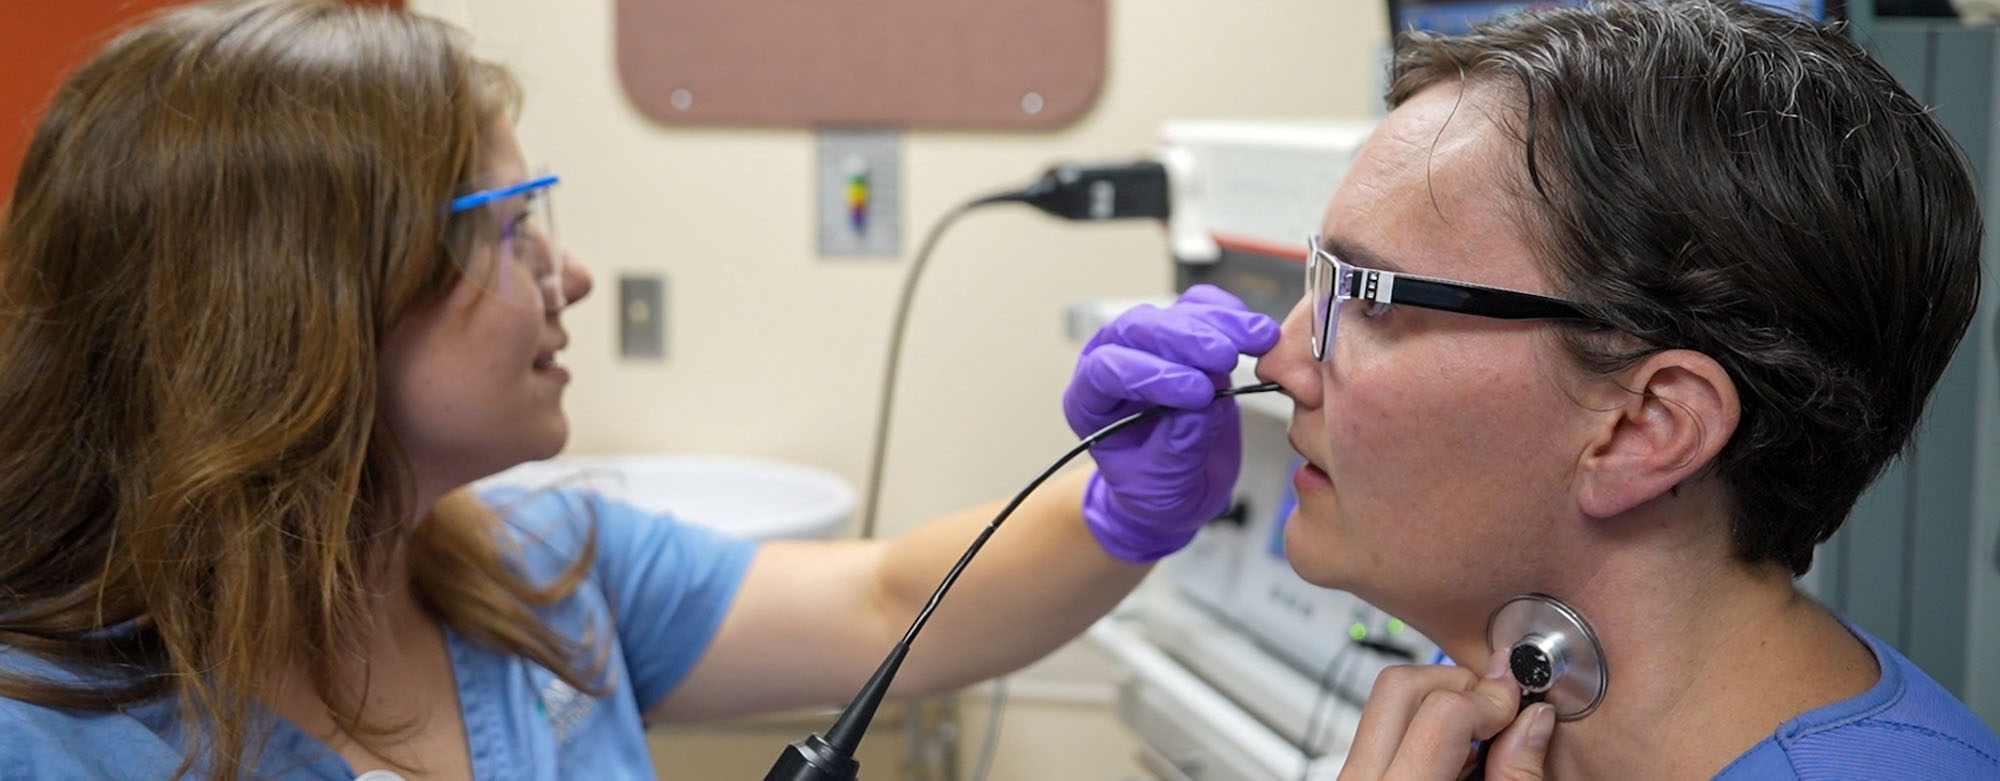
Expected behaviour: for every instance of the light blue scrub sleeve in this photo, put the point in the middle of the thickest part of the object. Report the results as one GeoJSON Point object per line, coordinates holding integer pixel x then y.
{"type": "Point", "coordinates": [668, 583]}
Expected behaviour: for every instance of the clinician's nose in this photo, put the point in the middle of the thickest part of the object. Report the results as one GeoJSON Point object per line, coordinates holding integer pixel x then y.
{"type": "Point", "coordinates": [575, 279]}
{"type": "Point", "coordinates": [1291, 364]}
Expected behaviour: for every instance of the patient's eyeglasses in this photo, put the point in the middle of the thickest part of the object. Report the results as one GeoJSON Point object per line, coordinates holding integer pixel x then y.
{"type": "Point", "coordinates": [1331, 282]}
{"type": "Point", "coordinates": [526, 239]}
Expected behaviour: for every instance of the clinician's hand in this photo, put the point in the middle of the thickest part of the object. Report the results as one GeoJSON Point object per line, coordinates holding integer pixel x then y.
{"type": "Point", "coordinates": [1160, 481]}
{"type": "Point", "coordinates": [1421, 721]}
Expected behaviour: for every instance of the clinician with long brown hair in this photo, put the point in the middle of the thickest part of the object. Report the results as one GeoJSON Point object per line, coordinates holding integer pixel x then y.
{"type": "Point", "coordinates": [274, 287]}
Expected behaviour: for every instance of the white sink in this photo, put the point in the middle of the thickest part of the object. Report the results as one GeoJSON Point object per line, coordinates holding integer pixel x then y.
{"type": "Point", "coordinates": [748, 497]}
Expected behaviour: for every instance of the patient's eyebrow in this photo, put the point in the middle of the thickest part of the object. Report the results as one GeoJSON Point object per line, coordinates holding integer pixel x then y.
{"type": "Point", "coordinates": [1355, 253]}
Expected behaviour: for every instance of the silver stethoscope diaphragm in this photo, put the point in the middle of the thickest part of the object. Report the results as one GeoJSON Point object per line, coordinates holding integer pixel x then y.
{"type": "Point", "coordinates": [1552, 652]}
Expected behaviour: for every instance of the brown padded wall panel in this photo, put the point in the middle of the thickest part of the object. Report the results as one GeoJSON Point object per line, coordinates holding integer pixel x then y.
{"type": "Point", "coordinates": [969, 64]}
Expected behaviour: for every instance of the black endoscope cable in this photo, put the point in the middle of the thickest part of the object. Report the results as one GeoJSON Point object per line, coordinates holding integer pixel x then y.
{"type": "Point", "coordinates": [879, 442]}
{"type": "Point", "coordinates": [1086, 192]}
{"type": "Point", "coordinates": [831, 758]}
{"type": "Point", "coordinates": [1115, 427]}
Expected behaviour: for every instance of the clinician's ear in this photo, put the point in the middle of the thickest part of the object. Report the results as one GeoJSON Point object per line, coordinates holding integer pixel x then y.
{"type": "Point", "coordinates": [1676, 410]}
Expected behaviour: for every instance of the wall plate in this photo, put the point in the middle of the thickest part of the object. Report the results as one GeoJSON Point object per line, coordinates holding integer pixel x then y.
{"type": "Point", "coordinates": [859, 192]}
{"type": "Point", "coordinates": [642, 316]}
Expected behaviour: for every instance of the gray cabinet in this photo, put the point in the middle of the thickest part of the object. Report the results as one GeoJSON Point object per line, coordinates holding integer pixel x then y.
{"type": "Point", "coordinates": [1918, 563]}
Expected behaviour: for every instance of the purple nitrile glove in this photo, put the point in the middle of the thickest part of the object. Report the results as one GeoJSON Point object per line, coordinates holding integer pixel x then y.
{"type": "Point", "coordinates": [1158, 482]}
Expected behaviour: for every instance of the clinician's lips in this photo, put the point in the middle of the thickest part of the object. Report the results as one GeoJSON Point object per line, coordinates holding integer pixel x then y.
{"type": "Point", "coordinates": [545, 362]}
{"type": "Point", "coordinates": [552, 370]}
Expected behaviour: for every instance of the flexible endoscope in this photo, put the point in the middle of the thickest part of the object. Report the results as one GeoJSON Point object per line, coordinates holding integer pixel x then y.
{"type": "Point", "coordinates": [831, 758]}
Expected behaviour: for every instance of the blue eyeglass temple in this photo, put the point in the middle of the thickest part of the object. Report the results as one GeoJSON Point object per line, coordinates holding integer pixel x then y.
{"type": "Point", "coordinates": [483, 197]}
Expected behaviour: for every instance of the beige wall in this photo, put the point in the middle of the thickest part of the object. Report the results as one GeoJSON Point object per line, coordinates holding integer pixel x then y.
{"type": "Point", "coordinates": [774, 351]}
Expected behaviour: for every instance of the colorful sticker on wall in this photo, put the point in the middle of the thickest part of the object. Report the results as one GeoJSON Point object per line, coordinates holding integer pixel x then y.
{"type": "Point", "coordinates": [857, 194]}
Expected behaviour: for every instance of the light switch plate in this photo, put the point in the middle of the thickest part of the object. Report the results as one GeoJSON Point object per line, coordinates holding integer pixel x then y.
{"type": "Point", "coordinates": [642, 316]}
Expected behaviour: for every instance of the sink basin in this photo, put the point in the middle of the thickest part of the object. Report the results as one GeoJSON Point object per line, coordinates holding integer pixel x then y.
{"type": "Point", "coordinates": [747, 497]}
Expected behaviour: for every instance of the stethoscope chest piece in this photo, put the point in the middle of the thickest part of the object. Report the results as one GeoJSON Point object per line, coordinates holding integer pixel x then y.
{"type": "Point", "coordinates": [1553, 653]}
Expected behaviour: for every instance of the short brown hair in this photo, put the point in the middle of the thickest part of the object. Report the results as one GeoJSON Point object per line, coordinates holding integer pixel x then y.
{"type": "Point", "coordinates": [1728, 179]}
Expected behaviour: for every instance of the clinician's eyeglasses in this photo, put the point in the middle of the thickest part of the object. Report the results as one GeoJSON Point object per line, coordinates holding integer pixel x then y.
{"type": "Point", "coordinates": [1332, 282]}
{"type": "Point", "coordinates": [527, 235]}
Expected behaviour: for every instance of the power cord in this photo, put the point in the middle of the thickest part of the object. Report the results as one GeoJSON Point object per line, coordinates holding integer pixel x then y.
{"type": "Point", "coordinates": [1072, 192]}
{"type": "Point", "coordinates": [878, 451]}
{"type": "Point", "coordinates": [1329, 681]}
{"type": "Point", "coordinates": [1308, 747]}
{"type": "Point", "coordinates": [991, 744]}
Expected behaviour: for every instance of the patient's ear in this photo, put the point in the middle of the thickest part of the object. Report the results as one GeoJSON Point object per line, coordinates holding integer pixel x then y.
{"type": "Point", "coordinates": [1665, 421]}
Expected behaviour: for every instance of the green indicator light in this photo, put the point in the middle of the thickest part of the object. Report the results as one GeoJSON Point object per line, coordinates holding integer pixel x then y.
{"type": "Point", "coordinates": [1358, 631]}
{"type": "Point", "coordinates": [1396, 626]}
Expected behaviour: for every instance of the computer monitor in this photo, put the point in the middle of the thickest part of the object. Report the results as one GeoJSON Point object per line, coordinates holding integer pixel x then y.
{"type": "Point", "coordinates": [1456, 16]}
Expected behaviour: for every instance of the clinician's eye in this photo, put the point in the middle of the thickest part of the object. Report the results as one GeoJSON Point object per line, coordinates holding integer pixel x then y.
{"type": "Point", "coordinates": [513, 227]}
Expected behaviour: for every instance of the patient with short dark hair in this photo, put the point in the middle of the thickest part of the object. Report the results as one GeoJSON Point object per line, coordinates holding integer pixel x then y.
{"type": "Point", "coordinates": [1772, 251]}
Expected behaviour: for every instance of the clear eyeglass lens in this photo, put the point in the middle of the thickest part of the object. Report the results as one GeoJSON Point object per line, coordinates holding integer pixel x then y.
{"type": "Point", "coordinates": [1312, 290]}
{"type": "Point", "coordinates": [1321, 272]}
{"type": "Point", "coordinates": [528, 242]}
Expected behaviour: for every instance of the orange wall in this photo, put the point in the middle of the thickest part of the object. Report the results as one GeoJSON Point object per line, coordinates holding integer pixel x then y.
{"type": "Point", "coordinates": [49, 39]}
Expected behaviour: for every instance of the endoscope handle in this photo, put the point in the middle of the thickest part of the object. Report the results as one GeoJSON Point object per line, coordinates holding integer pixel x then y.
{"type": "Point", "coordinates": [812, 759]}
{"type": "Point", "coordinates": [1485, 746]}
{"type": "Point", "coordinates": [832, 758]}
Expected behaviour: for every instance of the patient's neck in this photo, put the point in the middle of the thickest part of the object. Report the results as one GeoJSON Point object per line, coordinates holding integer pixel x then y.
{"type": "Point", "coordinates": [1707, 656]}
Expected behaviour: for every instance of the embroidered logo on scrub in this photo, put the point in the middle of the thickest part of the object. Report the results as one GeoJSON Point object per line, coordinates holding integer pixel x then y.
{"type": "Point", "coordinates": [564, 707]}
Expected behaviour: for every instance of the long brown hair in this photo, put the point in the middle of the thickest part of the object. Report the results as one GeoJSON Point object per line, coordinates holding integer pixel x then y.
{"type": "Point", "coordinates": [218, 223]}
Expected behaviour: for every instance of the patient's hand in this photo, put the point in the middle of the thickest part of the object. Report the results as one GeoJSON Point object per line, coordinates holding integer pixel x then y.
{"type": "Point", "coordinates": [1422, 722]}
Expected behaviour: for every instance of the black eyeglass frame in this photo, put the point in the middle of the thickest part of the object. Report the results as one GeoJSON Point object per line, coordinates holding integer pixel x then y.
{"type": "Point", "coordinates": [1350, 282]}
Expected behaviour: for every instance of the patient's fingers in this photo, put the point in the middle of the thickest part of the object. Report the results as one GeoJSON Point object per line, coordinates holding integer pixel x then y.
{"type": "Point", "coordinates": [1421, 720]}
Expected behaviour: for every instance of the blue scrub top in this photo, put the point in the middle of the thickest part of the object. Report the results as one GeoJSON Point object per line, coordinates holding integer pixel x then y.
{"type": "Point", "coordinates": [662, 586]}
{"type": "Point", "coordinates": [1904, 727]}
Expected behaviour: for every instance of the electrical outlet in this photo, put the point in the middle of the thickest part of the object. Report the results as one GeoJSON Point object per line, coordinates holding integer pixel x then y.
{"type": "Point", "coordinates": [859, 190]}
{"type": "Point", "coordinates": [642, 316]}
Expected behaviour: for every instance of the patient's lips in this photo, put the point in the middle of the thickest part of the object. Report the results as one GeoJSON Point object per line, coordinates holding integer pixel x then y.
{"type": "Point", "coordinates": [1309, 478]}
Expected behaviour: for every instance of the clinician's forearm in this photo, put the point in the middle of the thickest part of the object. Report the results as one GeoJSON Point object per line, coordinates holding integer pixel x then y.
{"type": "Point", "coordinates": [814, 618]}
{"type": "Point", "coordinates": [1040, 581]}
